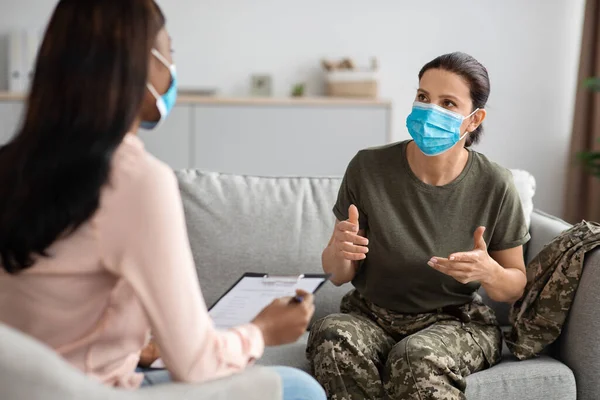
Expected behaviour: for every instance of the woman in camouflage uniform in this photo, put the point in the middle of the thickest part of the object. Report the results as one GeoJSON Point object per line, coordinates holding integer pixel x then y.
{"type": "Point", "coordinates": [421, 225]}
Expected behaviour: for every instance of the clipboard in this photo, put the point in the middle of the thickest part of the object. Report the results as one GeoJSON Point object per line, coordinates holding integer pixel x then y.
{"type": "Point", "coordinates": [253, 291]}
{"type": "Point", "coordinates": [275, 279]}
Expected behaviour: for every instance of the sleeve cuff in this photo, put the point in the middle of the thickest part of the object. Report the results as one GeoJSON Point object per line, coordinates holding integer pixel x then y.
{"type": "Point", "coordinates": [256, 341]}
{"type": "Point", "coordinates": [339, 215]}
{"type": "Point", "coordinates": [343, 216]}
{"type": "Point", "coordinates": [510, 245]}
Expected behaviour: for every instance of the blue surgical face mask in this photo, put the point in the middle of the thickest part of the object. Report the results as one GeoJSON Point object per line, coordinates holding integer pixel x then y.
{"type": "Point", "coordinates": [165, 102]}
{"type": "Point", "coordinates": [434, 129]}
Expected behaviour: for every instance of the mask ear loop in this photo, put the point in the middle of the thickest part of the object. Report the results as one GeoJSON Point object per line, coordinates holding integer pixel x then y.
{"type": "Point", "coordinates": [161, 58]}
{"type": "Point", "coordinates": [468, 116]}
{"type": "Point", "coordinates": [164, 61]}
{"type": "Point", "coordinates": [153, 90]}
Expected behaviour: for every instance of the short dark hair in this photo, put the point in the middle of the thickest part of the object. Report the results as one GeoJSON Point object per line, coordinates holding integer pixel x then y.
{"type": "Point", "coordinates": [87, 91]}
{"type": "Point", "coordinates": [476, 76]}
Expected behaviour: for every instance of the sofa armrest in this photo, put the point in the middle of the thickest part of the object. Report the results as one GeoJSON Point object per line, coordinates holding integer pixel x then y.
{"type": "Point", "coordinates": [579, 344]}
{"type": "Point", "coordinates": [256, 383]}
{"type": "Point", "coordinates": [544, 228]}
{"type": "Point", "coordinates": [32, 370]}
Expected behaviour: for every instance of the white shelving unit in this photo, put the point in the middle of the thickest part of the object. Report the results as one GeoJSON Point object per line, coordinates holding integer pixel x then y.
{"type": "Point", "coordinates": [256, 136]}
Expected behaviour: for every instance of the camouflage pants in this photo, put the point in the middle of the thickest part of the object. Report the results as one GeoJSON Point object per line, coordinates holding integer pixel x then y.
{"type": "Point", "coordinates": [368, 352]}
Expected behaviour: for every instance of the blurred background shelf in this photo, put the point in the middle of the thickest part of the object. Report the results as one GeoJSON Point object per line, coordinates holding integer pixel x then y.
{"type": "Point", "coordinates": [307, 136]}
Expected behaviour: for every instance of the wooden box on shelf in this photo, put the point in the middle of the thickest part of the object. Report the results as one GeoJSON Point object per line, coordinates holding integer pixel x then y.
{"type": "Point", "coordinates": [362, 84]}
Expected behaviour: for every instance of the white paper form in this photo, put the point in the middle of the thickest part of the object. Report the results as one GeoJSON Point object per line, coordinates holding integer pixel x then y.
{"type": "Point", "coordinates": [246, 299]}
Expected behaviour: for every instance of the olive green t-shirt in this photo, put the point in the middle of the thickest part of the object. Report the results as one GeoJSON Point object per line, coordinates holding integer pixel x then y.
{"type": "Point", "coordinates": [408, 221]}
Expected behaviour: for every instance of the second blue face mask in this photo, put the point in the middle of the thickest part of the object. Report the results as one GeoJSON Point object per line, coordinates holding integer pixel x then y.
{"type": "Point", "coordinates": [434, 129]}
{"type": "Point", "coordinates": [165, 102]}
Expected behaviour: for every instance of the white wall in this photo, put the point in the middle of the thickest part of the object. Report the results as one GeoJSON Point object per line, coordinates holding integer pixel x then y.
{"type": "Point", "coordinates": [530, 47]}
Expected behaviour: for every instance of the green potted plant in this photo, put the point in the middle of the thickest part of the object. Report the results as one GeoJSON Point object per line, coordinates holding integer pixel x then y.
{"type": "Point", "coordinates": [591, 159]}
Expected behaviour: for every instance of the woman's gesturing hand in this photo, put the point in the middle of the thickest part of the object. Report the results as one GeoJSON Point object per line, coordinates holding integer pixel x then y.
{"type": "Point", "coordinates": [469, 266]}
{"type": "Point", "coordinates": [349, 245]}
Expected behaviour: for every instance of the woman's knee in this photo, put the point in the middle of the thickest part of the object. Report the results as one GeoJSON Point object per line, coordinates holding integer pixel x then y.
{"type": "Point", "coordinates": [334, 329]}
{"type": "Point", "coordinates": [417, 363]}
{"type": "Point", "coordinates": [350, 334]}
{"type": "Point", "coordinates": [418, 351]}
{"type": "Point", "coordinates": [298, 385]}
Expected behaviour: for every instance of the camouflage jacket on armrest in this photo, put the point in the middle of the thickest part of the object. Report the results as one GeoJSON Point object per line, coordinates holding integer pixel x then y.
{"type": "Point", "coordinates": [552, 280]}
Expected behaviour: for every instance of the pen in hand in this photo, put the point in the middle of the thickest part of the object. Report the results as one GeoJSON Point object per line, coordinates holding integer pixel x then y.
{"type": "Point", "coordinates": [285, 320]}
{"type": "Point", "coordinates": [297, 299]}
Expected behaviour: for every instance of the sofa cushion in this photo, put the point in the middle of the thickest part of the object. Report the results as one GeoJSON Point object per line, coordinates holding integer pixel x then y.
{"type": "Point", "coordinates": [541, 378]}
{"type": "Point", "coordinates": [525, 184]}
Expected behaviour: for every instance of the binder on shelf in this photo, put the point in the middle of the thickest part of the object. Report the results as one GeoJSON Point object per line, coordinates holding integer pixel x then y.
{"type": "Point", "coordinates": [16, 68]}
{"type": "Point", "coordinates": [22, 53]}
{"type": "Point", "coordinates": [32, 43]}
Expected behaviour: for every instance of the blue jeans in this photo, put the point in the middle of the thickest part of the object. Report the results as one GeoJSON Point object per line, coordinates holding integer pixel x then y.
{"type": "Point", "coordinates": [297, 384]}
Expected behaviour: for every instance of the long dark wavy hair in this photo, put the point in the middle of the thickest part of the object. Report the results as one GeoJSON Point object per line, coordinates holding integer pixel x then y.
{"type": "Point", "coordinates": [89, 83]}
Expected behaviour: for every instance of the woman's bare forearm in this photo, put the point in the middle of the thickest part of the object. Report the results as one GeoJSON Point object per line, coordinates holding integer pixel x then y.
{"type": "Point", "coordinates": [507, 284]}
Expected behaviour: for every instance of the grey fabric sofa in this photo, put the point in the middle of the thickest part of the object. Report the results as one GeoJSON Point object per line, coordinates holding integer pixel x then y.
{"type": "Point", "coordinates": [238, 224]}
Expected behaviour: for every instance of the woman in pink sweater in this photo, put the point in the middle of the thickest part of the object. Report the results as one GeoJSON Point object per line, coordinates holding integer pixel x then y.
{"type": "Point", "coordinates": [93, 245]}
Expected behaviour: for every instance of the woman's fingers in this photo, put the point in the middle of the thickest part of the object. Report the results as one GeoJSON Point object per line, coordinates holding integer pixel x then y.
{"type": "Point", "coordinates": [307, 298]}
{"type": "Point", "coordinates": [302, 292]}
{"type": "Point", "coordinates": [466, 256]}
{"type": "Point", "coordinates": [353, 256]}
{"type": "Point", "coordinates": [351, 245]}
{"type": "Point", "coordinates": [446, 266]}
{"type": "Point", "coordinates": [345, 226]}
{"type": "Point", "coordinates": [350, 248]}
{"type": "Point", "coordinates": [463, 272]}
{"type": "Point", "coordinates": [353, 238]}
